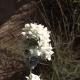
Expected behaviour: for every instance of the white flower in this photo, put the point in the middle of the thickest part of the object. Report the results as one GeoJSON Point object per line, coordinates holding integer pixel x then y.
{"type": "Point", "coordinates": [33, 77]}
{"type": "Point", "coordinates": [38, 40]}
{"type": "Point", "coordinates": [23, 33]}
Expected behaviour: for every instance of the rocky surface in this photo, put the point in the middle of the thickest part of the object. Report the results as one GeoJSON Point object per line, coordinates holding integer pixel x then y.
{"type": "Point", "coordinates": [12, 65]}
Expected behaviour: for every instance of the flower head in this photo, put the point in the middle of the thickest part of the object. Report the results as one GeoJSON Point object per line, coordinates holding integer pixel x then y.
{"type": "Point", "coordinates": [38, 40]}
{"type": "Point", "coordinates": [33, 77]}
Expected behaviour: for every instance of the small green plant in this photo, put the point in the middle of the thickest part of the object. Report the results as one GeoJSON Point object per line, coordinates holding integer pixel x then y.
{"type": "Point", "coordinates": [36, 46]}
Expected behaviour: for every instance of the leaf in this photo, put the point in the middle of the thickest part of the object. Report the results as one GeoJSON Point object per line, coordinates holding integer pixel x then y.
{"type": "Point", "coordinates": [32, 62]}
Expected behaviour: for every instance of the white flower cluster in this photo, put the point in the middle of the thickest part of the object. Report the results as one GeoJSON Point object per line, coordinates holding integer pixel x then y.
{"type": "Point", "coordinates": [39, 37]}
{"type": "Point", "coordinates": [33, 77]}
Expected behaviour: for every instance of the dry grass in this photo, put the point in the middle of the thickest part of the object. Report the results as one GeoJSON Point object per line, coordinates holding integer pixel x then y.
{"type": "Point", "coordinates": [65, 35]}
{"type": "Point", "coordinates": [63, 19]}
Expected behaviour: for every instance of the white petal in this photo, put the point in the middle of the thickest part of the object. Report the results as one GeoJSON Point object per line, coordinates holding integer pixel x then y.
{"type": "Point", "coordinates": [27, 25]}
{"type": "Point", "coordinates": [27, 78]}
{"type": "Point", "coordinates": [23, 33]}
